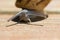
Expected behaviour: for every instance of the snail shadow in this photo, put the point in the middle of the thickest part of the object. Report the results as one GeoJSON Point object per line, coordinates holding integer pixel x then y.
{"type": "Point", "coordinates": [11, 24]}
{"type": "Point", "coordinates": [37, 19]}
{"type": "Point", "coordinates": [23, 22]}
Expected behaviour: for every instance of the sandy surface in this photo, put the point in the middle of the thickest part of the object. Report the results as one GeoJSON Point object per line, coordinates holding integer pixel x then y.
{"type": "Point", "coordinates": [49, 31]}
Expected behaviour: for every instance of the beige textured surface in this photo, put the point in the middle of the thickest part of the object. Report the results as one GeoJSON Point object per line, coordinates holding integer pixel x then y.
{"type": "Point", "coordinates": [53, 7]}
{"type": "Point", "coordinates": [8, 5]}
{"type": "Point", "coordinates": [49, 31]}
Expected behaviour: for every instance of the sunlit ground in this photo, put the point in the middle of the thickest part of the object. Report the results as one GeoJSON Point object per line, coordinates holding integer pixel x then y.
{"type": "Point", "coordinates": [49, 31]}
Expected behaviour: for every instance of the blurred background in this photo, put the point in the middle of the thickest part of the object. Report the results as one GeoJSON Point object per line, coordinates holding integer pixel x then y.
{"type": "Point", "coordinates": [9, 6]}
{"type": "Point", "coordinates": [49, 31]}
